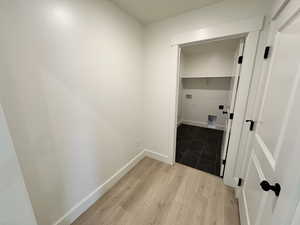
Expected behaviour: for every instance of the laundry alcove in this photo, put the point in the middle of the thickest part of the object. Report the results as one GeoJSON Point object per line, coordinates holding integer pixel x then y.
{"type": "Point", "coordinates": [207, 86]}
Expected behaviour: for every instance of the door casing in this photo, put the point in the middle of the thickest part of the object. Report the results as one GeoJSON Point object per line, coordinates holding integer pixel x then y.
{"type": "Point", "coordinates": [250, 30]}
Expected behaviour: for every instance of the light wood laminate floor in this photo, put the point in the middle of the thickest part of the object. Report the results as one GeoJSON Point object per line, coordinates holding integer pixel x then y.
{"type": "Point", "coordinates": [154, 193]}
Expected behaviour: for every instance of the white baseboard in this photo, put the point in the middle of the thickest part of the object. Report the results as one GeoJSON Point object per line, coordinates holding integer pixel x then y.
{"type": "Point", "coordinates": [179, 123]}
{"type": "Point", "coordinates": [89, 200]}
{"type": "Point", "coordinates": [157, 156]}
{"type": "Point", "coordinates": [201, 124]}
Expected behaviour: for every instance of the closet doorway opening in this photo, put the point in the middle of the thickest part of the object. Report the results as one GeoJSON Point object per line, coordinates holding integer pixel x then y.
{"type": "Point", "coordinates": [237, 126]}
{"type": "Point", "coordinates": [209, 75]}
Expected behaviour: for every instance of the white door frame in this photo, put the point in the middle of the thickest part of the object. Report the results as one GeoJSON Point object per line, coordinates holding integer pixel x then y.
{"type": "Point", "coordinates": [250, 29]}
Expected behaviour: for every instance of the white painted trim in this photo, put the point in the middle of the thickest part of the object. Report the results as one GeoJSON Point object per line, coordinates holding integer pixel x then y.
{"type": "Point", "coordinates": [296, 217]}
{"type": "Point", "coordinates": [279, 5]}
{"type": "Point", "coordinates": [237, 192]}
{"type": "Point", "coordinates": [174, 116]}
{"type": "Point", "coordinates": [286, 16]}
{"type": "Point", "coordinates": [201, 124]}
{"type": "Point", "coordinates": [243, 209]}
{"type": "Point", "coordinates": [191, 76]}
{"type": "Point", "coordinates": [157, 156]}
{"type": "Point", "coordinates": [246, 74]}
{"type": "Point", "coordinates": [219, 32]}
{"type": "Point", "coordinates": [179, 123]}
{"type": "Point", "coordinates": [90, 199]}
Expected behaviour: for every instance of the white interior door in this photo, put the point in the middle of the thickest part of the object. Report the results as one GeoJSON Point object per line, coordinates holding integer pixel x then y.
{"type": "Point", "coordinates": [256, 91]}
{"type": "Point", "coordinates": [275, 145]}
{"type": "Point", "coordinates": [230, 107]}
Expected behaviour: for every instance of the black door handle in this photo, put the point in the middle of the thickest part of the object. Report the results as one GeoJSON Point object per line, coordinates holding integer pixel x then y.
{"type": "Point", "coordinates": [251, 128]}
{"type": "Point", "coordinates": [265, 185]}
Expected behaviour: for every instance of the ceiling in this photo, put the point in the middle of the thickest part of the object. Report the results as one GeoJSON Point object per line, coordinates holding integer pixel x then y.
{"type": "Point", "coordinates": [147, 11]}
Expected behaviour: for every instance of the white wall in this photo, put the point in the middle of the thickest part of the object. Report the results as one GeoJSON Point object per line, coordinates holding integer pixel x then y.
{"type": "Point", "coordinates": [213, 59]}
{"type": "Point", "coordinates": [210, 59]}
{"type": "Point", "coordinates": [160, 64]}
{"type": "Point", "coordinates": [70, 85]}
{"type": "Point", "coordinates": [207, 95]}
{"type": "Point", "coordinates": [15, 206]}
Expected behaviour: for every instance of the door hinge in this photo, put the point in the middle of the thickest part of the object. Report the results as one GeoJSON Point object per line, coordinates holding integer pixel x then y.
{"type": "Point", "coordinates": [251, 128]}
{"type": "Point", "coordinates": [231, 116]}
{"type": "Point", "coordinates": [267, 50]}
{"type": "Point", "coordinates": [240, 60]}
{"type": "Point", "coordinates": [224, 161]}
{"type": "Point", "coordinates": [240, 182]}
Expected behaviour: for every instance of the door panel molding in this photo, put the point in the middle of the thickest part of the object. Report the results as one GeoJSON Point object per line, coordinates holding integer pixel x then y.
{"type": "Point", "coordinates": [275, 143]}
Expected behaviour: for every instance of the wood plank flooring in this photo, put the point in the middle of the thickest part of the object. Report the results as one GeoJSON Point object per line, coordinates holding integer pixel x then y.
{"type": "Point", "coordinates": [154, 193]}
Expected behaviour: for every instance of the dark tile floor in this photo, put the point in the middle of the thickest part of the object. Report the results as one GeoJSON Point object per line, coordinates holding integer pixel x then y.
{"type": "Point", "coordinates": [199, 148]}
